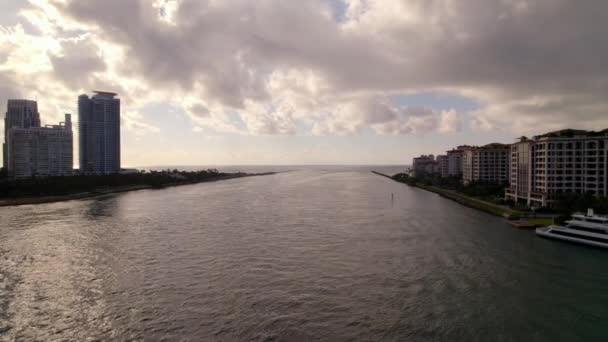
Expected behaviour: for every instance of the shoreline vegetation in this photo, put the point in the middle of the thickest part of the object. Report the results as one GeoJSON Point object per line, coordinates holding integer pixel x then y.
{"type": "Point", "coordinates": [490, 198]}
{"type": "Point", "coordinates": [458, 197]}
{"type": "Point", "coordinates": [518, 218]}
{"type": "Point", "coordinates": [59, 189]}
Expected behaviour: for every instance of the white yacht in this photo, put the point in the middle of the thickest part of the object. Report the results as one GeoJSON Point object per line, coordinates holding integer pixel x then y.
{"type": "Point", "coordinates": [587, 229]}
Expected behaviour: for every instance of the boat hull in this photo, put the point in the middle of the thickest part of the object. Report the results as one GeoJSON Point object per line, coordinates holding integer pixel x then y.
{"type": "Point", "coordinates": [548, 232]}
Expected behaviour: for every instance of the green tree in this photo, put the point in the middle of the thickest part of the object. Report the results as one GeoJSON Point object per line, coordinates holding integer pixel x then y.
{"type": "Point", "coordinates": [568, 203]}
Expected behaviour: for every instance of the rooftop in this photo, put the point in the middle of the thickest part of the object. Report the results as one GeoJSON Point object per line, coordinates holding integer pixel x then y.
{"type": "Point", "coordinates": [494, 146]}
{"type": "Point", "coordinates": [20, 101]}
{"type": "Point", "coordinates": [571, 133]}
{"type": "Point", "coordinates": [104, 94]}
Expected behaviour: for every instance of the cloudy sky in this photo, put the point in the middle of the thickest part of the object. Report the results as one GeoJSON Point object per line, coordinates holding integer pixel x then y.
{"type": "Point", "coordinates": [315, 81]}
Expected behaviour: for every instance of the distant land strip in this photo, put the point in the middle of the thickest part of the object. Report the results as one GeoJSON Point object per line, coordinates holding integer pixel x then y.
{"type": "Point", "coordinates": [27, 200]}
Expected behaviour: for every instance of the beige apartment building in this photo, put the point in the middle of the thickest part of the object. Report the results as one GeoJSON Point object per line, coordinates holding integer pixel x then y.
{"type": "Point", "coordinates": [454, 161]}
{"type": "Point", "coordinates": [443, 165]}
{"type": "Point", "coordinates": [425, 165]}
{"type": "Point", "coordinates": [558, 162]}
{"type": "Point", "coordinates": [489, 163]}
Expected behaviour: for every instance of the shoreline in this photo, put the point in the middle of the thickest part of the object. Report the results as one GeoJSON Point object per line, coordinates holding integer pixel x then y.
{"type": "Point", "coordinates": [116, 190]}
{"type": "Point", "coordinates": [464, 200]}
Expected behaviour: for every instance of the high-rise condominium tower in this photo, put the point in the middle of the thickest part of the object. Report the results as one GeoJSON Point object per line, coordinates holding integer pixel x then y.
{"type": "Point", "coordinates": [99, 126]}
{"type": "Point", "coordinates": [40, 151]}
{"type": "Point", "coordinates": [19, 114]}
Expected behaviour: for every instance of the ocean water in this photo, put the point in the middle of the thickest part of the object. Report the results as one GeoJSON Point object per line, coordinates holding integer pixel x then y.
{"type": "Point", "coordinates": [311, 254]}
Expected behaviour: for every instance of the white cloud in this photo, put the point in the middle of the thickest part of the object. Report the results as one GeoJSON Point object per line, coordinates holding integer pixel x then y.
{"type": "Point", "coordinates": [280, 67]}
{"type": "Point", "coordinates": [450, 121]}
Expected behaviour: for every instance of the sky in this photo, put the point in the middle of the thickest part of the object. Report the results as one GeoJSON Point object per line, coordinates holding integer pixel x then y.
{"type": "Point", "coordinates": [235, 82]}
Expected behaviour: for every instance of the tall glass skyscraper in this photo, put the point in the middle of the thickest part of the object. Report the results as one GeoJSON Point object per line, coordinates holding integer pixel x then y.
{"type": "Point", "coordinates": [99, 136]}
{"type": "Point", "coordinates": [19, 114]}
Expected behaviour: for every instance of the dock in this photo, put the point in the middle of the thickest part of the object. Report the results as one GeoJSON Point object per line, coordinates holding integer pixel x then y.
{"type": "Point", "coordinates": [522, 224]}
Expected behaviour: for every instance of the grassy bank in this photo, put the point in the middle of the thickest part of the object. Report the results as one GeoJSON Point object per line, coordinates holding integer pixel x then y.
{"type": "Point", "coordinates": [472, 202]}
{"type": "Point", "coordinates": [468, 201]}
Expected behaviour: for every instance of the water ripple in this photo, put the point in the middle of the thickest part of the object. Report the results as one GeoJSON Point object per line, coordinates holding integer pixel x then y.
{"type": "Point", "coordinates": [307, 255]}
